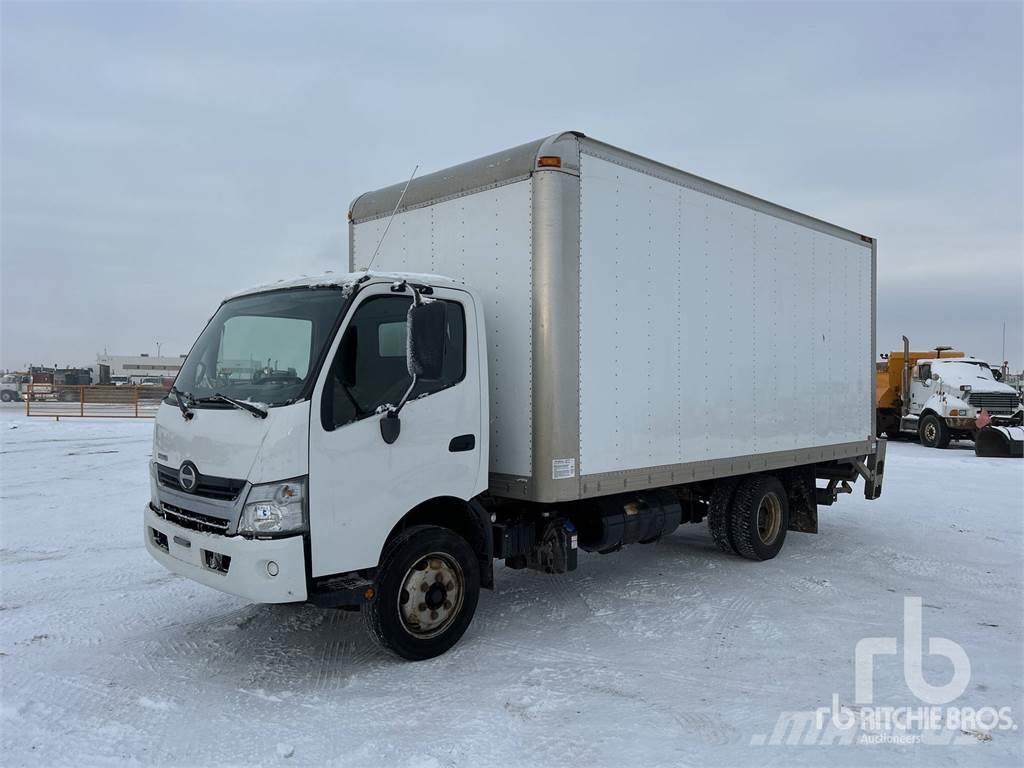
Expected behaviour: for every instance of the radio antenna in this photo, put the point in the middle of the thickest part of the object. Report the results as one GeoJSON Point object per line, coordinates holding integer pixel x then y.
{"type": "Point", "coordinates": [391, 218]}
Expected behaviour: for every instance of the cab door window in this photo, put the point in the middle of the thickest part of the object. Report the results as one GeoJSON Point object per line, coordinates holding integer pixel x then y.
{"type": "Point", "coordinates": [369, 370]}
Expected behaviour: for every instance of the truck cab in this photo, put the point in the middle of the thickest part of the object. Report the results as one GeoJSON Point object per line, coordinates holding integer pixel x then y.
{"type": "Point", "coordinates": [12, 386]}
{"type": "Point", "coordinates": [952, 398]}
{"type": "Point", "coordinates": [278, 474]}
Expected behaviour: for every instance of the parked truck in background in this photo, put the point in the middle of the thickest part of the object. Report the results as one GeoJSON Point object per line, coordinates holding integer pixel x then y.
{"type": "Point", "coordinates": [534, 366]}
{"type": "Point", "coordinates": [13, 386]}
{"type": "Point", "coordinates": [942, 395]}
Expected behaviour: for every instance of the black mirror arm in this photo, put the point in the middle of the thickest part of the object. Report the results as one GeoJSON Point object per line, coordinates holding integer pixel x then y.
{"type": "Point", "coordinates": [394, 410]}
{"type": "Point", "coordinates": [390, 424]}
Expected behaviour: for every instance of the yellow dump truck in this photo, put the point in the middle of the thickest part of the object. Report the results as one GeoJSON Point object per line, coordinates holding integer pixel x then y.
{"type": "Point", "coordinates": [942, 394]}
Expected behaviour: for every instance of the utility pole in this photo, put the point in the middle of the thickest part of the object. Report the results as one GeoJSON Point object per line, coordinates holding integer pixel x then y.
{"type": "Point", "coordinates": [158, 345]}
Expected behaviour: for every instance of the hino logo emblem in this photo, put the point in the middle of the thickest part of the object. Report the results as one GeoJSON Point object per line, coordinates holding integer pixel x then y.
{"type": "Point", "coordinates": [188, 476]}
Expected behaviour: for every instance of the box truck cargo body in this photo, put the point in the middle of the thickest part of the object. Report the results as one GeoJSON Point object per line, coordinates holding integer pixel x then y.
{"type": "Point", "coordinates": [645, 326]}
{"type": "Point", "coordinates": [562, 346]}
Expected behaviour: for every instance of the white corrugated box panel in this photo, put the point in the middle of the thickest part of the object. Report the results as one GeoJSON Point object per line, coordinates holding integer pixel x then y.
{"type": "Point", "coordinates": [709, 330]}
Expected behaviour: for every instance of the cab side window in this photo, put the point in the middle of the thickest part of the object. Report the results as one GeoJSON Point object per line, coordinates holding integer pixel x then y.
{"type": "Point", "coordinates": [924, 371]}
{"type": "Point", "coordinates": [369, 369]}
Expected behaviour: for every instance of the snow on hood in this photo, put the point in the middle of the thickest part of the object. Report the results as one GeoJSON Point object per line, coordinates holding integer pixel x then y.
{"type": "Point", "coordinates": [957, 373]}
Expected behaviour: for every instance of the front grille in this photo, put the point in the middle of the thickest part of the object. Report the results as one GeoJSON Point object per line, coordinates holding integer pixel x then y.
{"type": "Point", "coordinates": [192, 520]}
{"type": "Point", "coordinates": [995, 402]}
{"type": "Point", "coordinates": [222, 488]}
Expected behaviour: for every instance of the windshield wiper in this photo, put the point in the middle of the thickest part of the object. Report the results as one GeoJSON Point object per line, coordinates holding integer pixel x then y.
{"type": "Point", "coordinates": [255, 410]}
{"type": "Point", "coordinates": [180, 396]}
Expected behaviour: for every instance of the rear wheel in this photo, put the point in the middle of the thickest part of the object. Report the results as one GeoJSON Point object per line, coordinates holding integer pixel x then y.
{"type": "Point", "coordinates": [760, 517]}
{"type": "Point", "coordinates": [6, 396]}
{"type": "Point", "coordinates": [719, 511]}
{"type": "Point", "coordinates": [933, 432]}
{"type": "Point", "coordinates": [428, 585]}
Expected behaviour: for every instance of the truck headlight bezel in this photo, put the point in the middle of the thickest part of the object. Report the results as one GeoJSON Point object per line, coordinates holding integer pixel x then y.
{"type": "Point", "coordinates": [154, 487]}
{"type": "Point", "coordinates": [276, 509]}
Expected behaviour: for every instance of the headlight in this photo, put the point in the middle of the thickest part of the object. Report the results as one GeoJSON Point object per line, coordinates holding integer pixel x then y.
{"type": "Point", "coordinates": [275, 508]}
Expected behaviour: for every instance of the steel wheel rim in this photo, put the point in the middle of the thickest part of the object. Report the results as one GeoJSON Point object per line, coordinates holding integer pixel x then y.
{"type": "Point", "coordinates": [769, 518]}
{"type": "Point", "coordinates": [929, 432]}
{"type": "Point", "coordinates": [432, 594]}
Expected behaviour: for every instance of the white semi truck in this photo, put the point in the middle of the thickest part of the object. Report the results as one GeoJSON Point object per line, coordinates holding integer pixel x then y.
{"type": "Point", "coordinates": [562, 346]}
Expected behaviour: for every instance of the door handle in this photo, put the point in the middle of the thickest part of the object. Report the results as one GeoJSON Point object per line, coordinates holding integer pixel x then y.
{"type": "Point", "coordinates": [462, 443]}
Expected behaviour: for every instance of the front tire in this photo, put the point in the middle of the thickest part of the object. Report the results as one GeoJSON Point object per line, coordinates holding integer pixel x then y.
{"type": "Point", "coordinates": [428, 585]}
{"type": "Point", "coordinates": [933, 432]}
{"type": "Point", "coordinates": [6, 396]}
{"type": "Point", "coordinates": [760, 517]}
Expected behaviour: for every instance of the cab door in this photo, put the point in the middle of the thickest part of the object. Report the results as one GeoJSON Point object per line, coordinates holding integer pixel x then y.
{"type": "Point", "coordinates": [359, 486]}
{"type": "Point", "coordinates": [921, 387]}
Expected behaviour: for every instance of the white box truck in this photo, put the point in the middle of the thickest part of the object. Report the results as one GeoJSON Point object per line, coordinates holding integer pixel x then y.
{"type": "Point", "coordinates": [562, 346]}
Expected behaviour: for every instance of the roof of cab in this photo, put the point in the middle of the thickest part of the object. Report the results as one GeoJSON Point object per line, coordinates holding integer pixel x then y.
{"type": "Point", "coordinates": [348, 280]}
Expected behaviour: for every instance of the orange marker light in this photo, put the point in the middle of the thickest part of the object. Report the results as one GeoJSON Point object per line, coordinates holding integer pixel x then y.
{"type": "Point", "coordinates": [549, 161]}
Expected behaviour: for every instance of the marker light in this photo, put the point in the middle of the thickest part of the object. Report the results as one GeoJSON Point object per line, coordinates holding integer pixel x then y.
{"type": "Point", "coordinates": [549, 161]}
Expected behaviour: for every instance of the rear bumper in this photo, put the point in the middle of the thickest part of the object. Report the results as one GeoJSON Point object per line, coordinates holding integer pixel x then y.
{"type": "Point", "coordinates": [247, 575]}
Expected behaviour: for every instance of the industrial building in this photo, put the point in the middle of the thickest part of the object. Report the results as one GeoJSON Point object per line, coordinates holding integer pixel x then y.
{"type": "Point", "coordinates": [133, 369]}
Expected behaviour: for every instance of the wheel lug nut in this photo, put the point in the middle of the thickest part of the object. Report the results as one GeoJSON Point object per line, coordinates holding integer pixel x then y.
{"type": "Point", "coordinates": [433, 614]}
{"type": "Point", "coordinates": [447, 605]}
{"type": "Point", "coordinates": [423, 606]}
{"type": "Point", "coordinates": [449, 585]}
{"type": "Point", "coordinates": [423, 587]}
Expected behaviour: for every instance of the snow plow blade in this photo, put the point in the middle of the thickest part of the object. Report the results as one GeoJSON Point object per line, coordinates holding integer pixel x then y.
{"type": "Point", "coordinates": [1000, 442]}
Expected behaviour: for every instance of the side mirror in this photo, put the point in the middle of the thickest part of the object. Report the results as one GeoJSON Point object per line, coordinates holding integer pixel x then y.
{"type": "Point", "coordinates": [935, 377]}
{"type": "Point", "coordinates": [428, 324]}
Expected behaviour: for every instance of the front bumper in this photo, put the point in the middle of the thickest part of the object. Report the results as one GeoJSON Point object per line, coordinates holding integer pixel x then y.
{"type": "Point", "coordinates": [246, 575]}
{"type": "Point", "coordinates": [970, 423]}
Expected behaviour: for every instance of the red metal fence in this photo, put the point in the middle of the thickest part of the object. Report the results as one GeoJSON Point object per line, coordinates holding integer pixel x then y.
{"type": "Point", "coordinates": [102, 401]}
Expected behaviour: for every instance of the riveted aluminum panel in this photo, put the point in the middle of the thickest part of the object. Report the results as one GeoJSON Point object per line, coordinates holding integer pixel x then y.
{"type": "Point", "coordinates": [650, 167]}
{"type": "Point", "coordinates": [482, 240]}
{"type": "Point", "coordinates": [696, 471]}
{"type": "Point", "coordinates": [713, 328]}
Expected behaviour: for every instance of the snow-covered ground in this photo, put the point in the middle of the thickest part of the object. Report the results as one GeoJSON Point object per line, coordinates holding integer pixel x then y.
{"type": "Point", "coordinates": [668, 654]}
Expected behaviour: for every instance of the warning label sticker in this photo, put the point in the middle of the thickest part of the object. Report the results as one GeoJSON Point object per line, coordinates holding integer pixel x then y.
{"type": "Point", "coordinates": [563, 468]}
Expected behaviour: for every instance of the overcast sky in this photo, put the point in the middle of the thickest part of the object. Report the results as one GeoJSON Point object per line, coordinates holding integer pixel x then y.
{"type": "Point", "coordinates": [156, 157]}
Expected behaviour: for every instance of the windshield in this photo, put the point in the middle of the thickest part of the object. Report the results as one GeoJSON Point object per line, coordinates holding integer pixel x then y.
{"type": "Point", "coordinates": [964, 369]}
{"type": "Point", "coordinates": [263, 347]}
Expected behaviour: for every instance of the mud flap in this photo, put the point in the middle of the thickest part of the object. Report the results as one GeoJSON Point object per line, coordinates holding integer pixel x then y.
{"type": "Point", "coordinates": [876, 471]}
{"type": "Point", "coordinates": [803, 507]}
{"type": "Point", "coordinates": [1000, 442]}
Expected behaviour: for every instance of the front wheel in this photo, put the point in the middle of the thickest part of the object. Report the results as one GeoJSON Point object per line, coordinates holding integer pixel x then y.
{"type": "Point", "coordinates": [428, 584]}
{"type": "Point", "coordinates": [6, 396]}
{"type": "Point", "coordinates": [933, 432]}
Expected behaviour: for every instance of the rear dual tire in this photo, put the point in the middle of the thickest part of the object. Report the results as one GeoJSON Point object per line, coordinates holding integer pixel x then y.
{"type": "Point", "coordinates": [749, 516]}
